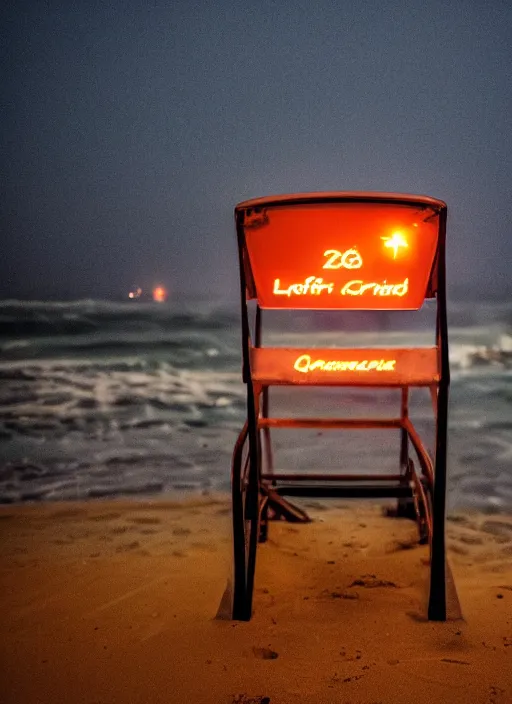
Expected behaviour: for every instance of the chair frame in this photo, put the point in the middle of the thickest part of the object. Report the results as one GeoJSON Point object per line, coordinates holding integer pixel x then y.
{"type": "Point", "coordinates": [257, 491]}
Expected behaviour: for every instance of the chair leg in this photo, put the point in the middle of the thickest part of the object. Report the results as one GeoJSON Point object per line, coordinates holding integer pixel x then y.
{"type": "Point", "coordinates": [263, 534]}
{"type": "Point", "coordinates": [246, 517]}
{"type": "Point", "coordinates": [239, 548]}
{"type": "Point", "coordinates": [437, 597]}
{"type": "Point", "coordinates": [245, 542]}
{"type": "Point", "coordinates": [405, 509]}
{"type": "Point", "coordinates": [424, 508]}
{"type": "Point", "coordinates": [252, 535]}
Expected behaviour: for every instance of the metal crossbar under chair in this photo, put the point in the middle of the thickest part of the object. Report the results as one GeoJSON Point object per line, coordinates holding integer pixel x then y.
{"type": "Point", "coordinates": [340, 251]}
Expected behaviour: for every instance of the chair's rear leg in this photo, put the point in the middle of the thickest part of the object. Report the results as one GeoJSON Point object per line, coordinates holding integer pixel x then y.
{"type": "Point", "coordinates": [437, 597]}
{"type": "Point", "coordinates": [267, 455]}
{"type": "Point", "coordinates": [422, 498]}
{"type": "Point", "coordinates": [405, 508]}
{"type": "Point", "coordinates": [239, 553]}
{"type": "Point", "coordinates": [252, 546]}
{"type": "Point", "coordinates": [245, 536]}
{"type": "Point", "coordinates": [245, 511]}
{"type": "Point", "coordinates": [251, 507]}
{"type": "Point", "coordinates": [263, 531]}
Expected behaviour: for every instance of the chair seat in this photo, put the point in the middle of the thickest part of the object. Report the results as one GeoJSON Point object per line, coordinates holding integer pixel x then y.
{"type": "Point", "coordinates": [345, 367]}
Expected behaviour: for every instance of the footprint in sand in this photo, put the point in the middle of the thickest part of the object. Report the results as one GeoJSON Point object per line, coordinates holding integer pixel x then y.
{"type": "Point", "coordinates": [101, 517]}
{"type": "Point", "coordinates": [463, 520]}
{"type": "Point", "coordinates": [328, 594]}
{"type": "Point", "coordinates": [370, 581]}
{"type": "Point", "coordinates": [355, 545]}
{"type": "Point", "coordinates": [501, 531]}
{"type": "Point", "coordinates": [126, 547]}
{"type": "Point", "coordinates": [452, 661]}
{"type": "Point", "coordinates": [495, 695]}
{"type": "Point", "coordinates": [401, 545]}
{"type": "Point", "coordinates": [118, 530]}
{"type": "Point", "coordinates": [181, 531]}
{"type": "Point", "coordinates": [146, 521]}
{"type": "Point", "coordinates": [357, 655]}
{"type": "Point", "coordinates": [265, 653]}
{"type": "Point", "coordinates": [67, 513]}
{"type": "Point", "coordinates": [208, 547]}
{"type": "Point", "coordinates": [457, 549]}
{"type": "Point", "coordinates": [469, 539]}
{"type": "Point", "coordinates": [179, 553]}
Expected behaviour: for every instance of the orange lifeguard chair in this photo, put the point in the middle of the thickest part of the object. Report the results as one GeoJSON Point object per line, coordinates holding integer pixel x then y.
{"type": "Point", "coordinates": [340, 251]}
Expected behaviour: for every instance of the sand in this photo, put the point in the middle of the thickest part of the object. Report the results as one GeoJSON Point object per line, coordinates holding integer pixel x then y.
{"type": "Point", "coordinates": [121, 602]}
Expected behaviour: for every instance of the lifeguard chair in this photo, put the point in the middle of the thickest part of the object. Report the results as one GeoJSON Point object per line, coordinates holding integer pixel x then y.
{"type": "Point", "coordinates": [340, 251]}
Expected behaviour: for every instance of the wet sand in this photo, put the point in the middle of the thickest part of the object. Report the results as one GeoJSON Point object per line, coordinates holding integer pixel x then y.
{"type": "Point", "coordinates": [121, 602]}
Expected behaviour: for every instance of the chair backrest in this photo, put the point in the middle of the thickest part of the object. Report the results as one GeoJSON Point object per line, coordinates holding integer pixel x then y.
{"type": "Point", "coordinates": [371, 251]}
{"type": "Point", "coordinates": [343, 251]}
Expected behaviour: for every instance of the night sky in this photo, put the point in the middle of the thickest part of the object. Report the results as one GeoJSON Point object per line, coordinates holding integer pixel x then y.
{"type": "Point", "coordinates": [130, 130]}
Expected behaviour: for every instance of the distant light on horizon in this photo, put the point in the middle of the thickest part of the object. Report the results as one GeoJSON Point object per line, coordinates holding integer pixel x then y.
{"type": "Point", "coordinates": [135, 293]}
{"type": "Point", "coordinates": [159, 294]}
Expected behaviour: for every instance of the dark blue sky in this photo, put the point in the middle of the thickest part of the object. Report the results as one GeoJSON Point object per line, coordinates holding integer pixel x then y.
{"type": "Point", "coordinates": [130, 130]}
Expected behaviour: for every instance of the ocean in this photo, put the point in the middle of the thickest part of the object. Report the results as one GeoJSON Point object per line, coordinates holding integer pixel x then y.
{"type": "Point", "coordinates": [103, 399]}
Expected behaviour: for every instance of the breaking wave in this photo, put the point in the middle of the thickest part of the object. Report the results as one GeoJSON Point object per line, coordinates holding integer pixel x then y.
{"type": "Point", "coordinates": [110, 399]}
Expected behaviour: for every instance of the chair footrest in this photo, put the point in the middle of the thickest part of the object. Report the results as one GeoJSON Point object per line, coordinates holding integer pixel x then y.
{"type": "Point", "coordinates": [364, 490]}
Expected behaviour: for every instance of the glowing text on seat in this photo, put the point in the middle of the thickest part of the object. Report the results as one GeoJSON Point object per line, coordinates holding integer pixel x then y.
{"type": "Point", "coordinates": [305, 364]}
